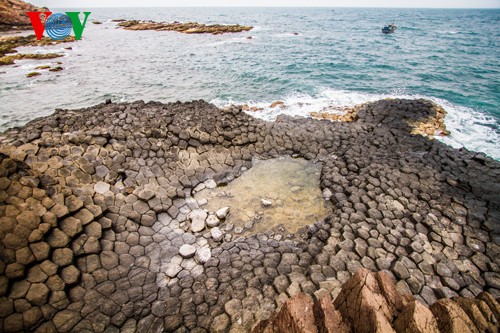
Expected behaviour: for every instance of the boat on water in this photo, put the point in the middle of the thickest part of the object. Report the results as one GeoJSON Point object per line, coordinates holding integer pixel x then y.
{"type": "Point", "coordinates": [389, 29]}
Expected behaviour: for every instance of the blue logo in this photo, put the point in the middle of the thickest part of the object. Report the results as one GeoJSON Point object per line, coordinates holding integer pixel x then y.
{"type": "Point", "coordinates": [58, 26]}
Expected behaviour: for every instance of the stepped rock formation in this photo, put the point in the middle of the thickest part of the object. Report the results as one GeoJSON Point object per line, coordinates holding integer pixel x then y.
{"type": "Point", "coordinates": [370, 302]}
{"type": "Point", "coordinates": [13, 14]}
{"type": "Point", "coordinates": [95, 234]}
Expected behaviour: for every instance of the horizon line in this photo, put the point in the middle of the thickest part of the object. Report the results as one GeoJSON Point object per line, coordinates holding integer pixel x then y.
{"type": "Point", "coordinates": [343, 7]}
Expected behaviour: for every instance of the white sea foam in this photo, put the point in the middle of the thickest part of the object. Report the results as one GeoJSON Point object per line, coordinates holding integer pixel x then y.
{"type": "Point", "coordinates": [469, 128]}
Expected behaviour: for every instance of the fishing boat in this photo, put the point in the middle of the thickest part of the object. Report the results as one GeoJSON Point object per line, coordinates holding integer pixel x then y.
{"type": "Point", "coordinates": [389, 29]}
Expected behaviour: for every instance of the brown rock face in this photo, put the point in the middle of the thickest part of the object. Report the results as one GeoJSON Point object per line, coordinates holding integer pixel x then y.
{"type": "Point", "coordinates": [296, 316]}
{"type": "Point", "coordinates": [451, 318]}
{"type": "Point", "coordinates": [416, 318]}
{"type": "Point", "coordinates": [13, 13]}
{"type": "Point", "coordinates": [370, 302]}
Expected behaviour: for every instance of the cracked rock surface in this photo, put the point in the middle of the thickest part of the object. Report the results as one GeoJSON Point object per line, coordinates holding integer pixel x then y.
{"type": "Point", "coordinates": [96, 205]}
{"type": "Point", "coordinates": [370, 302]}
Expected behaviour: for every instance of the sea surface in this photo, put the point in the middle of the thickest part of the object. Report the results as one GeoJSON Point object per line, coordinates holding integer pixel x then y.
{"type": "Point", "coordinates": [339, 57]}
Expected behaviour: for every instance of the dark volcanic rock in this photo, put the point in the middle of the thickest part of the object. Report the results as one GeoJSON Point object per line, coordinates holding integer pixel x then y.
{"type": "Point", "coordinates": [96, 203]}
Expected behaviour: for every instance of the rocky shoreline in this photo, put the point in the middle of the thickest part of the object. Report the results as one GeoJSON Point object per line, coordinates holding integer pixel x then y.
{"type": "Point", "coordinates": [13, 14]}
{"type": "Point", "coordinates": [96, 233]}
{"type": "Point", "coordinates": [8, 52]}
{"type": "Point", "coordinates": [186, 27]}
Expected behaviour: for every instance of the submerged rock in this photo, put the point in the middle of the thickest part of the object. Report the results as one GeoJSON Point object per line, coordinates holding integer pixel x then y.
{"type": "Point", "coordinates": [31, 74]}
{"type": "Point", "coordinates": [8, 45]}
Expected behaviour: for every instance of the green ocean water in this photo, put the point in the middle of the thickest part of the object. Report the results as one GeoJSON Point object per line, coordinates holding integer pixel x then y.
{"type": "Point", "coordinates": [338, 57]}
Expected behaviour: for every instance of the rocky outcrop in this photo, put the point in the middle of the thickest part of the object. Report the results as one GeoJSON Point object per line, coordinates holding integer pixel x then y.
{"type": "Point", "coordinates": [370, 302]}
{"type": "Point", "coordinates": [13, 14]}
{"type": "Point", "coordinates": [8, 45]}
{"type": "Point", "coordinates": [429, 126]}
{"type": "Point", "coordinates": [187, 28]}
{"type": "Point", "coordinates": [345, 115]}
{"type": "Point", "coordinates": [95, 207]}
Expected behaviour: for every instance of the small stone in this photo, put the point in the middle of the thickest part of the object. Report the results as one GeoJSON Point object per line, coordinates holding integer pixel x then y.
{"type": "Point", "coordinates": [70, 275]}
{"type": "Point", "coordinates": [13, 323]}
{"type": "Point", "coordinates": [197, 218]}
{"type": "Point", "coordinates": [220, 324]}
{"type": "Point", "coordinates": [401, 271]}
{"type": "Point", "coordinates": [216, 234]}
{"type": "Point", "coordinates": [38, 294]}
{"type": "Point", "coordinates": [492, 279]}
{"type": "Point", "coordinates": [210, 183]}
{"type": "Point", "coordinates": [172, 270]}
{"type": "Point", "coordinates": [73, 203]}
{"type": "Point", "coordinates": [222, 213]}
{"type": "Point", "coordinates": [233, 307]}
{"type": "Point", "coordinates": [212, 221]}
{"type": "Point", "coordinates": [65, 320]}
{"type": "Point", "coordinates": [101, 187]}
{"type": "Point", "coordinates": [28, 219]}
{"type": "Point", "coordinates": [146, 195]}
{"type": "Point", "coordinates": [101, 171]}
{"type": "Point", "coordinates": [109, 259]}
{"type": "Point", "coordinates": [187, 251]}
{"type": "Point", "coordinates": [58, 238]}
{"type": "Point", "coordinates": [24, 256]}
{"type": "Point", "coordinates": [266, 203]}
{"type": "Point", "coordinates": [203, 255]}
{"type": "Point", "coordinates": [62, 257]}
{"type": "Point", "coordinates": [14, 270]}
